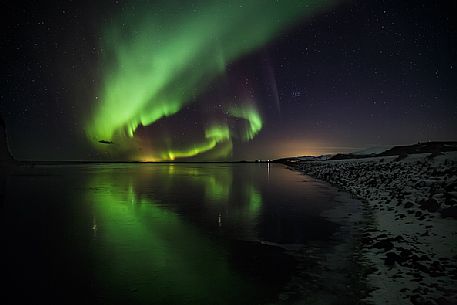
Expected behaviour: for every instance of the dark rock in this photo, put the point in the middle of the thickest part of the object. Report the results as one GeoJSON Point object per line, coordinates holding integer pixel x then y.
{"type": "Point", "coordinates": [384, 244]}
{"type": "Point", "coordinates": [420, 184]}
{"type": "Point", "coordinates": [437, 267]}
{"type": "Point", "coordinates": [451, 186]}
{"type": "Point", "coordinates": [449, 212]}
{"type": "Point", "coordinates": [399, 238]}
{"type": "Point", "coordinates": [450, 201]}
{"type": "Point", "coordinates": [425, 258]}
{"type": "Point", "coordinates": [443, 301]}
{"type": "Point", "coordinates": [421, 267]}
{"type": "Point", "coordinates": [366, 240]}
{"type": "Point", "coordinates": [417, 300]}
{"type": "Point", "coordinates": [409, 204]}
{"type": "Point", "coordinates": [430, 205]}
{"type": "Point", "coordinates": [392, 258]}
{"type": "Point", "coordinates": [405, 253]}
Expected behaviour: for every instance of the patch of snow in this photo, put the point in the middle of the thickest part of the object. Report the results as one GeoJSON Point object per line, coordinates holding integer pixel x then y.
{"type": "Point", "coordinates": [372, 150]}
{"type": "Point", "coordinates": [412, 249]}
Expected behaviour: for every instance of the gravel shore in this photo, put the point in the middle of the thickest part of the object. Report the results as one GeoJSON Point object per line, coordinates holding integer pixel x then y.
{"type": "Point", "coordinates": [411, 246]}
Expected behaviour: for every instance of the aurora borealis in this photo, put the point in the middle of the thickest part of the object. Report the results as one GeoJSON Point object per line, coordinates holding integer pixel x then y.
{"type": "Point", "coordinates": [154, 64]}
{"type": "Point", "coordinates": [211, 80]}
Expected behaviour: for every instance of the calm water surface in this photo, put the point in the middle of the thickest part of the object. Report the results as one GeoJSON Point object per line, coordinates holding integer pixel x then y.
{"type": "Point", "coordinates": [159, 233]}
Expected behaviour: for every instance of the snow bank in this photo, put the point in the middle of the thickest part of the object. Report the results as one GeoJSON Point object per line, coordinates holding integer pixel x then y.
{"type": "Point", "coordinates": [412, 244]}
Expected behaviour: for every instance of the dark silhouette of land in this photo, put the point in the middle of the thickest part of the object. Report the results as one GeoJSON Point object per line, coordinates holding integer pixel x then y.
{"type": "Point", "coordinates": [6, 158]}
{"type": "Point", "coordinates": [105, 142]}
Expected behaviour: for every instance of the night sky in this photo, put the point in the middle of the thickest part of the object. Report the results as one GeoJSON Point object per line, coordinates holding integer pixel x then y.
{"type": "Point", "coordinates": [225, 80]}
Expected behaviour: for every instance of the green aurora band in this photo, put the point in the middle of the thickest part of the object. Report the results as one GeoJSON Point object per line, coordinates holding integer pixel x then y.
{"type": "Point", "coordinates": [251, 114]}
{"type": "Point", "coordinates": [156, 61]}
{"type": "Point", "coordinates": [220, 133]}
{"type": "Point", "coordinates": [213, 135]}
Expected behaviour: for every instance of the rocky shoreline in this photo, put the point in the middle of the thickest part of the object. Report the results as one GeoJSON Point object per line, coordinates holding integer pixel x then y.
{"type": "Point", "coordinates": [411, 245]}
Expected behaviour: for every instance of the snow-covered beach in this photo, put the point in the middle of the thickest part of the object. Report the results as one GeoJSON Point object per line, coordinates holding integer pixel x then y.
{"type": "Point", "coordinates": [411, 245]}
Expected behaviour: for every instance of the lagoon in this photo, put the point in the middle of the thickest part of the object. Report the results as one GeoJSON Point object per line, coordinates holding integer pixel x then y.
{"type": "Point", "coordinates": [170, 234]}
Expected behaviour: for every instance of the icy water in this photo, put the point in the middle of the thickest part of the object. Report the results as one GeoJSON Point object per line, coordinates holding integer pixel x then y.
{"type": "Point", "coordinates": [161, 233]}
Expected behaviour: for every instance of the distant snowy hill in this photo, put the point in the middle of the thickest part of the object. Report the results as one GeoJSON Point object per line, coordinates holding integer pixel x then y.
{"type": "Point", "coordinates": [315, 158]}
{"type": "Point", "coordinates": [381, 151]}
{"type": "Point", "coordinates": [426, 147]}
{"type": "Point", "coordinates": [372, 150]}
